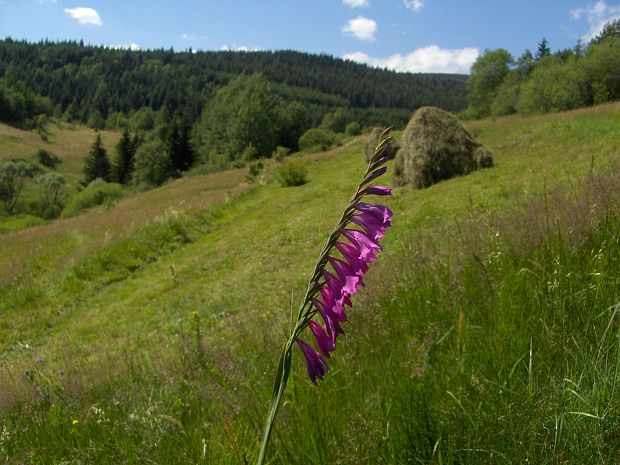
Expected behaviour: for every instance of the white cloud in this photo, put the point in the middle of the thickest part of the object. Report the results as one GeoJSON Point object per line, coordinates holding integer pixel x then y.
{"type": "Point", "coordinates": [355, 3]}
{"type": "Point", "coordinates": [597, 14]}
{"type": "Point", "coordinates": [84, 15]}
{"type": "Point", "coordinates": [192, 37]}
{"type": "Point", "coordinates": [361, 28]}
{"type": "Point", "coordinates": [132, 46]}
{"type": "Point", "coordinates": [240, 48]}
{"type": "Point", "coordinates": [431, 59]}
{"type": "Point", "coordinates": [414, 5]}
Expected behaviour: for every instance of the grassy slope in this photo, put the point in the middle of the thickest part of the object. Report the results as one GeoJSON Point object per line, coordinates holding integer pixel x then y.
{"type": "Point", "coordinates": [70, 143]}
{"type": "Point", "coordinates": [237, 265]}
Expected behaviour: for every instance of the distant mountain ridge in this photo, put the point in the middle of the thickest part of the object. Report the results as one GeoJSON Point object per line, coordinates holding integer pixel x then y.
{"type": "Point", "coordinates": [81, 80]}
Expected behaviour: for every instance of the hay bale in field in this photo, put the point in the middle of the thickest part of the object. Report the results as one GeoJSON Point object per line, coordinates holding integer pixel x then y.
{"type": "Point", "coordinates": [436, 146]}
{"type": "Point", "coordinates": [373, 140]}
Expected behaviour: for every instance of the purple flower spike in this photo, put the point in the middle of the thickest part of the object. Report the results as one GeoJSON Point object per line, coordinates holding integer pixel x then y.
{"type": "Point", "coordinates": [314, 361]}
{"type": "Point", "coordinates": [378, 190]}
{"type": "Point", "coordinates": [323, 340]}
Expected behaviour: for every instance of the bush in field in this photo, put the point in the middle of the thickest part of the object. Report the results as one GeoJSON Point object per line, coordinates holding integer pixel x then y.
{"type": "Point", "coordinates": [152, 164]}
{"type": "Point", "coordinates": [292, 172]}
{"type": "Point", "coordinates": [335, 121]}
{"type": "Point", "coordinates": [317, 140]}
{"type": "Point", "coordinates": [97, 193]}
{"type": "Point", "coordinates": [353, 129]}
{"type": "Point", "coordinates": [47, 159]}
{"type": "Point", "coordinates": [554, 85]}
{"type": "Point", "coordinates": [254, 170]}
{"type": "Point", "coordinates": [602, 66]}
{"type": "Point", "coordinates": [13, 175]}
{"type": "Point", "coordinates": [280, 153]}
{"type": "Point", "coordinates": [52, 185]}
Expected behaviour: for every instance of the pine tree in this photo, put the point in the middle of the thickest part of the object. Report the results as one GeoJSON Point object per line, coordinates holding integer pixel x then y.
{"type": "Point", "coordinates": [123, 164]}
{"type": "Point", "coordinates": [97, 163]}
{"type": "Point", "coordinates": [179, 147]}
{"type": "Point", "coordinates": [611, 29]}
{"type": "Point", "coordinates": [543, 49]}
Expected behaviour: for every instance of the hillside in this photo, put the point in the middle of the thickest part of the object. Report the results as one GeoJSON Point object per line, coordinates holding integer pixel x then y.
{"type": "Point", "coordinates": [87, 82]}
{"type": "Point", "coordinates": [148, 330]}
{"type": "Point", "coordinates": [70, 143]}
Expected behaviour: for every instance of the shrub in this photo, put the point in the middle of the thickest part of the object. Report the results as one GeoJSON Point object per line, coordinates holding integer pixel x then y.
{"type": "Point", "coordinates": [292, 173]}
{"type": "Point", "coordinates": [554, 86]}
{"type": "Point", "coordinates": [47, 158]}
{"type": "Point", "coordinates": [280, 153]}
{"type": "Point", "coordinates": [52, 185]}
{"type": "Point", "coordinates": [353, 129]}
{"type": "Point", "coordinates": [254, 169]}
{"type": "Point", "coordinates": [317, 139]}
{"type": "Point", "coordinates": [152, 164]}
{"type": "Point", "coordinates": [98, 192]}
{"type": "Point", "coordinates": [13, 175]}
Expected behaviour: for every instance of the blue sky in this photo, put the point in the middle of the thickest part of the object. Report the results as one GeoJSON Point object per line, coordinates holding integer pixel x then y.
{"type": "Point", "coordinates": [405, 35]}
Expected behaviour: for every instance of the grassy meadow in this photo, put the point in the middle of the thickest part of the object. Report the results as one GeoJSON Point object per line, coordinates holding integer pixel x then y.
{"type": "Point", "coordinates": [148, 331]}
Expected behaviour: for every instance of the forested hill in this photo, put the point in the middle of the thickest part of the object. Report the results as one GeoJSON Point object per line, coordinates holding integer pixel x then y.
{"type": "Point", "coordinates": [81, 80]}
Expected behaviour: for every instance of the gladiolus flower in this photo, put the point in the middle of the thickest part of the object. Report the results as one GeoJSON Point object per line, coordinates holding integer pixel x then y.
{"type": "Point", "coordinates": [314, 361]}
{"type": "Point", "coordinates": [323, 340]}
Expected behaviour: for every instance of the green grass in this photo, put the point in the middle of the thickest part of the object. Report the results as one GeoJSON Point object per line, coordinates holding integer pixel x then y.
{"type": "Point", "coordinates": [70, 143]}
{"type": "Point", "coordinates": [487, 331]}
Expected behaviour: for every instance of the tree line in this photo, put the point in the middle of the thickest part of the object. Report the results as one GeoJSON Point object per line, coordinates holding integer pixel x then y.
{"type": "Point", "coordinates": [108, 88]}
{"type": "Point", "coordinates": [546, 81]}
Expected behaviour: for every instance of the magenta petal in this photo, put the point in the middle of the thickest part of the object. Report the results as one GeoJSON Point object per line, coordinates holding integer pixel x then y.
{"type": "Point", "coordinates": [337, 290]}
{"type": "Point", "coordinates": [352, 255]}
{"type": "Point", "coordinates": [381, 212]}
{"type": "Point", "coordinates": [314, 361]}
{"type": "Point", "coordinates": [374, 229]}
{"type": "Point", "coordinates": [348, 279]}
{"type": "Point", "coordinates": [325, 343]}
{"type": "Point", "coordinates": [331, 318]}
{"type": "Point", "coordinates": [378, 190]}
{"type": "Point", "coordinates": [365, 244]}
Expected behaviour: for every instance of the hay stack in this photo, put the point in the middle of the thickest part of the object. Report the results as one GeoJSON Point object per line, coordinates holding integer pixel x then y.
{"type": "Point", "coordinates": [373, 140]}
{"type": "Point", "coordinates": [435, 146]}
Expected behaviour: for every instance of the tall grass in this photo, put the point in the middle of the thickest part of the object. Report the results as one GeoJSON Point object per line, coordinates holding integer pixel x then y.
{"type": "Point", "coordinates": [488, 331]}
{"type": "Point", "coordinates": [492, 340]}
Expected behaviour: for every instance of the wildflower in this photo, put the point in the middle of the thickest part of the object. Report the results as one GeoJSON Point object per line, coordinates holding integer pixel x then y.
{"type": "Point", "coordinates": [314, 362]}
{"type": "Point", "coordinates": [75, 422]}
{"type": "Point", "coordinates": [325, 341]}
{"type": "Point", "coordinates": [358, 249]}
{"type": "Point", "coordinates": [330, 290]}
